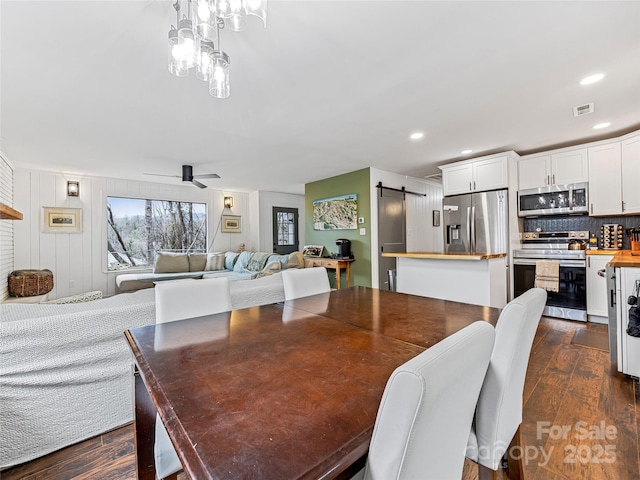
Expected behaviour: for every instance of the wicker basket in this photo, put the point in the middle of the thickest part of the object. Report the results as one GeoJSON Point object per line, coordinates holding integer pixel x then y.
{"type": "Point", "coordinates": [29, 283]}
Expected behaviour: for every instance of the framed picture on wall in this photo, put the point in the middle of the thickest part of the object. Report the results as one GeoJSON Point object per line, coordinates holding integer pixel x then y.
{"type": "Point", "coordinates": [231, 224]}
{"type": "Point", "coordinates": [61, 220]}
{"type": "Point", "coordinates": [336, 213]}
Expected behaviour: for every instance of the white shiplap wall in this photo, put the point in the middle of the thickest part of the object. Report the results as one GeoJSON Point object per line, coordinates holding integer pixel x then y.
{"type": "Point", "coordinates": [78, 261]}
{"type": "Point", "coordinates": [6, 226]}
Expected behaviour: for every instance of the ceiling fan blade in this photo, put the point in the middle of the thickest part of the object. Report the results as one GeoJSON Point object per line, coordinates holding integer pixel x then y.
{"type": "Point", "coordinates": [161, 175]}
{"type": "Point", "coordinates": [198, 184]}
{"type": "Point", "coordinates": [207, 175]}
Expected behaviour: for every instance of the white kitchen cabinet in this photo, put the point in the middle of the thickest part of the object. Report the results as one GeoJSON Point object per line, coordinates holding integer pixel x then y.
{"type": "Point", "coordinates": [570, 167]}
{"type": "Point", "coordinates": [475, 175]}
{"type": "Point", "coordinates": [597, 288]}
{"type": "Point", "coordinates": [605, 179]}
{"type": "Point", "coordinates": [457, 178]}
{"type": "Point", "coordinates": [553, 169]}
{"type": "Point", "coordinates": [614, 170]}
{"type": "Point", "coordinates": [532, 172]}
{"type": "Point", "coordinates": [630, 148]}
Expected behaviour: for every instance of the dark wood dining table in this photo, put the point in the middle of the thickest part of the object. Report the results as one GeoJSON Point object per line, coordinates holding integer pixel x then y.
{"type": "Point", "coordinates": [282, 391]}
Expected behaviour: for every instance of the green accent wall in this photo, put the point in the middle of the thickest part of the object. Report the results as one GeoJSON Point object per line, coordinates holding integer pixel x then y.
{"type": "Point", "coordinates": [357, 182]}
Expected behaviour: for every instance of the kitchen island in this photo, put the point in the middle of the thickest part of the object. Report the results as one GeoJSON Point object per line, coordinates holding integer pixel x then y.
{"type": "Point", "coordinates": [476, 278]}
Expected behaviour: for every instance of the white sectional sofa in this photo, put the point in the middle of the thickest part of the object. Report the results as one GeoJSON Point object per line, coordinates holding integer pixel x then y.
{"type": "Point", "coordinates": [66, 369]}
{"type": "Point", "coordinates": [234, 265]}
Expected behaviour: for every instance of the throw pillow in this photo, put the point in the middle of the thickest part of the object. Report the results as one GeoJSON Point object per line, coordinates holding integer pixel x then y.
{"type": "Point", "coordinates": [283, 259]}
{"type": "Point", "coordinates": [215, 261]}
{"type": "Point", "coordinates": [296, 260]}
{"type": "Point", "coordinates": [230, 259]}
{"type": "Point", "coordinates": [271, 268]}
{"type": "Point", "coordinates": [80, 298]}
{"type": "Point", "coordinates": [258, 261]}
{"type": "Point", "coordinates": [169, 262]}
{"type": "Point", "coordinates": [197, 262]}
{"type": "Point", "coordinates": [242, 262]}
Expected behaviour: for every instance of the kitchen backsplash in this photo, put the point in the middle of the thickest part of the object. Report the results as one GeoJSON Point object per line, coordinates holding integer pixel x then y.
{"type": "Point", "coordinates": [564, 223]}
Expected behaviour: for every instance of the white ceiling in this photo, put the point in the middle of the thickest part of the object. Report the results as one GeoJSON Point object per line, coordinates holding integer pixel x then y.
{"type": "Point", "coordinates": [327, 88]}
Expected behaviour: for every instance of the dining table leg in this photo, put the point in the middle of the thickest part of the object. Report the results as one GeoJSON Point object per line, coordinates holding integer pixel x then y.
{"type": "Point", "coordinates": [144, 430]}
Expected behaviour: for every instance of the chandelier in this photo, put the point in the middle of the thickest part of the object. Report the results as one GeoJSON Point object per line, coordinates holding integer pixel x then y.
{"type": "Point", "coordinates": [195, 43]}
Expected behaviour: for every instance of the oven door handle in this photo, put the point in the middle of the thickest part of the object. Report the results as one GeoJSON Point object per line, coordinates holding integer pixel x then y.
{"type": "Point", "coordinates": [563, 263]}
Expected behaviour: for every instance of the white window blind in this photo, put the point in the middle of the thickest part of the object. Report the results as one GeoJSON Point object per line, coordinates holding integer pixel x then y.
{"type": "Point", "coordinates": [6, 227]}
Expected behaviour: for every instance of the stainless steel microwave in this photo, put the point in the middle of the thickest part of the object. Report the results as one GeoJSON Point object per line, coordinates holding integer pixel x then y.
{"type": "Point", "coordinates": [571, 199]}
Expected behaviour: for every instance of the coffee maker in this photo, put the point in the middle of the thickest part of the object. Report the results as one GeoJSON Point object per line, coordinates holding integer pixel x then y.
{"type": "Point", "coordinates": [344, 248]}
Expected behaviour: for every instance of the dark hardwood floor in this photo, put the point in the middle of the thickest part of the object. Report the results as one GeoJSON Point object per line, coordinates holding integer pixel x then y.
{"type": "Point", "coordinates": [580, 422]}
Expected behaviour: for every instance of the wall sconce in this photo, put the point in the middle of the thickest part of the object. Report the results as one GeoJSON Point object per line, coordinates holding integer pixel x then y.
{"type": "Point", "coordinates": [228, 202]}
{"type": "Point", "coordinates": [73, 189]}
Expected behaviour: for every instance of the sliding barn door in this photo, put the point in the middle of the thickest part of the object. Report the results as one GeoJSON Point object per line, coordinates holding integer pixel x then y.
{"type": "Point", "coordinates": [391, 231]}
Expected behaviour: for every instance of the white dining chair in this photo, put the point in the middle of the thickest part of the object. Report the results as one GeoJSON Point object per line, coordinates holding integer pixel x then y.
{"type": "Point", "coordinates": [427, 408]}
{"type": "Point", "coordinates": [303, 282]}
{"type": "Point", "coordinates": [179, 300]}
{"type": "Point", "coordinates": [499, 411]}
{"type": "Point", "coordinates": [189, 298]}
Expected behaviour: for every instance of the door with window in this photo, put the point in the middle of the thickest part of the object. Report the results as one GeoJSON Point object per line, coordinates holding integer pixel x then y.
{"type": "Point", "coordinates": [285, 230]}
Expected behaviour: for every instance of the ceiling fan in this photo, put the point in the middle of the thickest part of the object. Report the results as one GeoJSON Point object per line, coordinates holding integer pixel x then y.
{"type": "Point", "coordinates": [188, 176]}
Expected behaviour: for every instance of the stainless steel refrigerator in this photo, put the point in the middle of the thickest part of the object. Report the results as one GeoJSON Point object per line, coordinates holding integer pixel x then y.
{"type": "Point", "coordinates": [476, 222]}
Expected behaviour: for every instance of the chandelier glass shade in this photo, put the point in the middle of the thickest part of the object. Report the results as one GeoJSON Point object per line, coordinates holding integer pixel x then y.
{"type": "Point", "coordinates": [195, 43]}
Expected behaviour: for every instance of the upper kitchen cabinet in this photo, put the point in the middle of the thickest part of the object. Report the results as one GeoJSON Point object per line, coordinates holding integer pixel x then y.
{"type": "Point", "coordinates": [478, 175]}
{"type": "Point", "coordinates": [556, 169]}
{"type": "Point", "coordinates": [605, 180]}
{"type": "Point", "coordinates": [614, 170]}
{"type": "Point", "coordinates": [630, 147]}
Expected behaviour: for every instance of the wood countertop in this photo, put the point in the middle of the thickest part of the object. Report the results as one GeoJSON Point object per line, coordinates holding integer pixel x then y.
{"type": "Point", "coordinates": [446, 256]}
{"type": "Point", "coordinates": [602, 251]}
{"type": "Point", "coordinates": [624, 259]}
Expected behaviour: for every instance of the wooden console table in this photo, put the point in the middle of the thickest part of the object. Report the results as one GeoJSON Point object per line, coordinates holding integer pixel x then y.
{"type": "Point", "coordinates": [332, 264]}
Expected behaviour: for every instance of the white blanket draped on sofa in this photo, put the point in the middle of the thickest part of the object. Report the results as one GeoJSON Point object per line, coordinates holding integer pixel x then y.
{"type": "Point", "coordinates": [66, 370]}
{"type": "Point", "coordinates": [65, 378]}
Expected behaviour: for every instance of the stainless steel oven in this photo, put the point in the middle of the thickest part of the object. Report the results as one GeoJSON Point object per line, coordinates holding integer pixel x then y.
{"type": "Point", "coordinates": [570, 301]}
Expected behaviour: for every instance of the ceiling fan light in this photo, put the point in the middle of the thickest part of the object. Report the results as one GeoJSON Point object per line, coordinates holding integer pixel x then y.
{"type": "Point", "coordinates": [219, 82]}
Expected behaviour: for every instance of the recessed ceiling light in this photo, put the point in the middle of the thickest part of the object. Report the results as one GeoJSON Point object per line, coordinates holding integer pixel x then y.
{"type": "Point", "coordinates": [601, 125]}
{"type": "Point", "coordinates": [466, 152]}
{"type": "Point", "coordinates": [592, 79]}
{"type": "Point", "coordinates": [416, 136]}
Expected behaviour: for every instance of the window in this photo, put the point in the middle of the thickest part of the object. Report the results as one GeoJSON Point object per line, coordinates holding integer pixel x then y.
{"type": "Point", "coordinates": [138, 228]}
